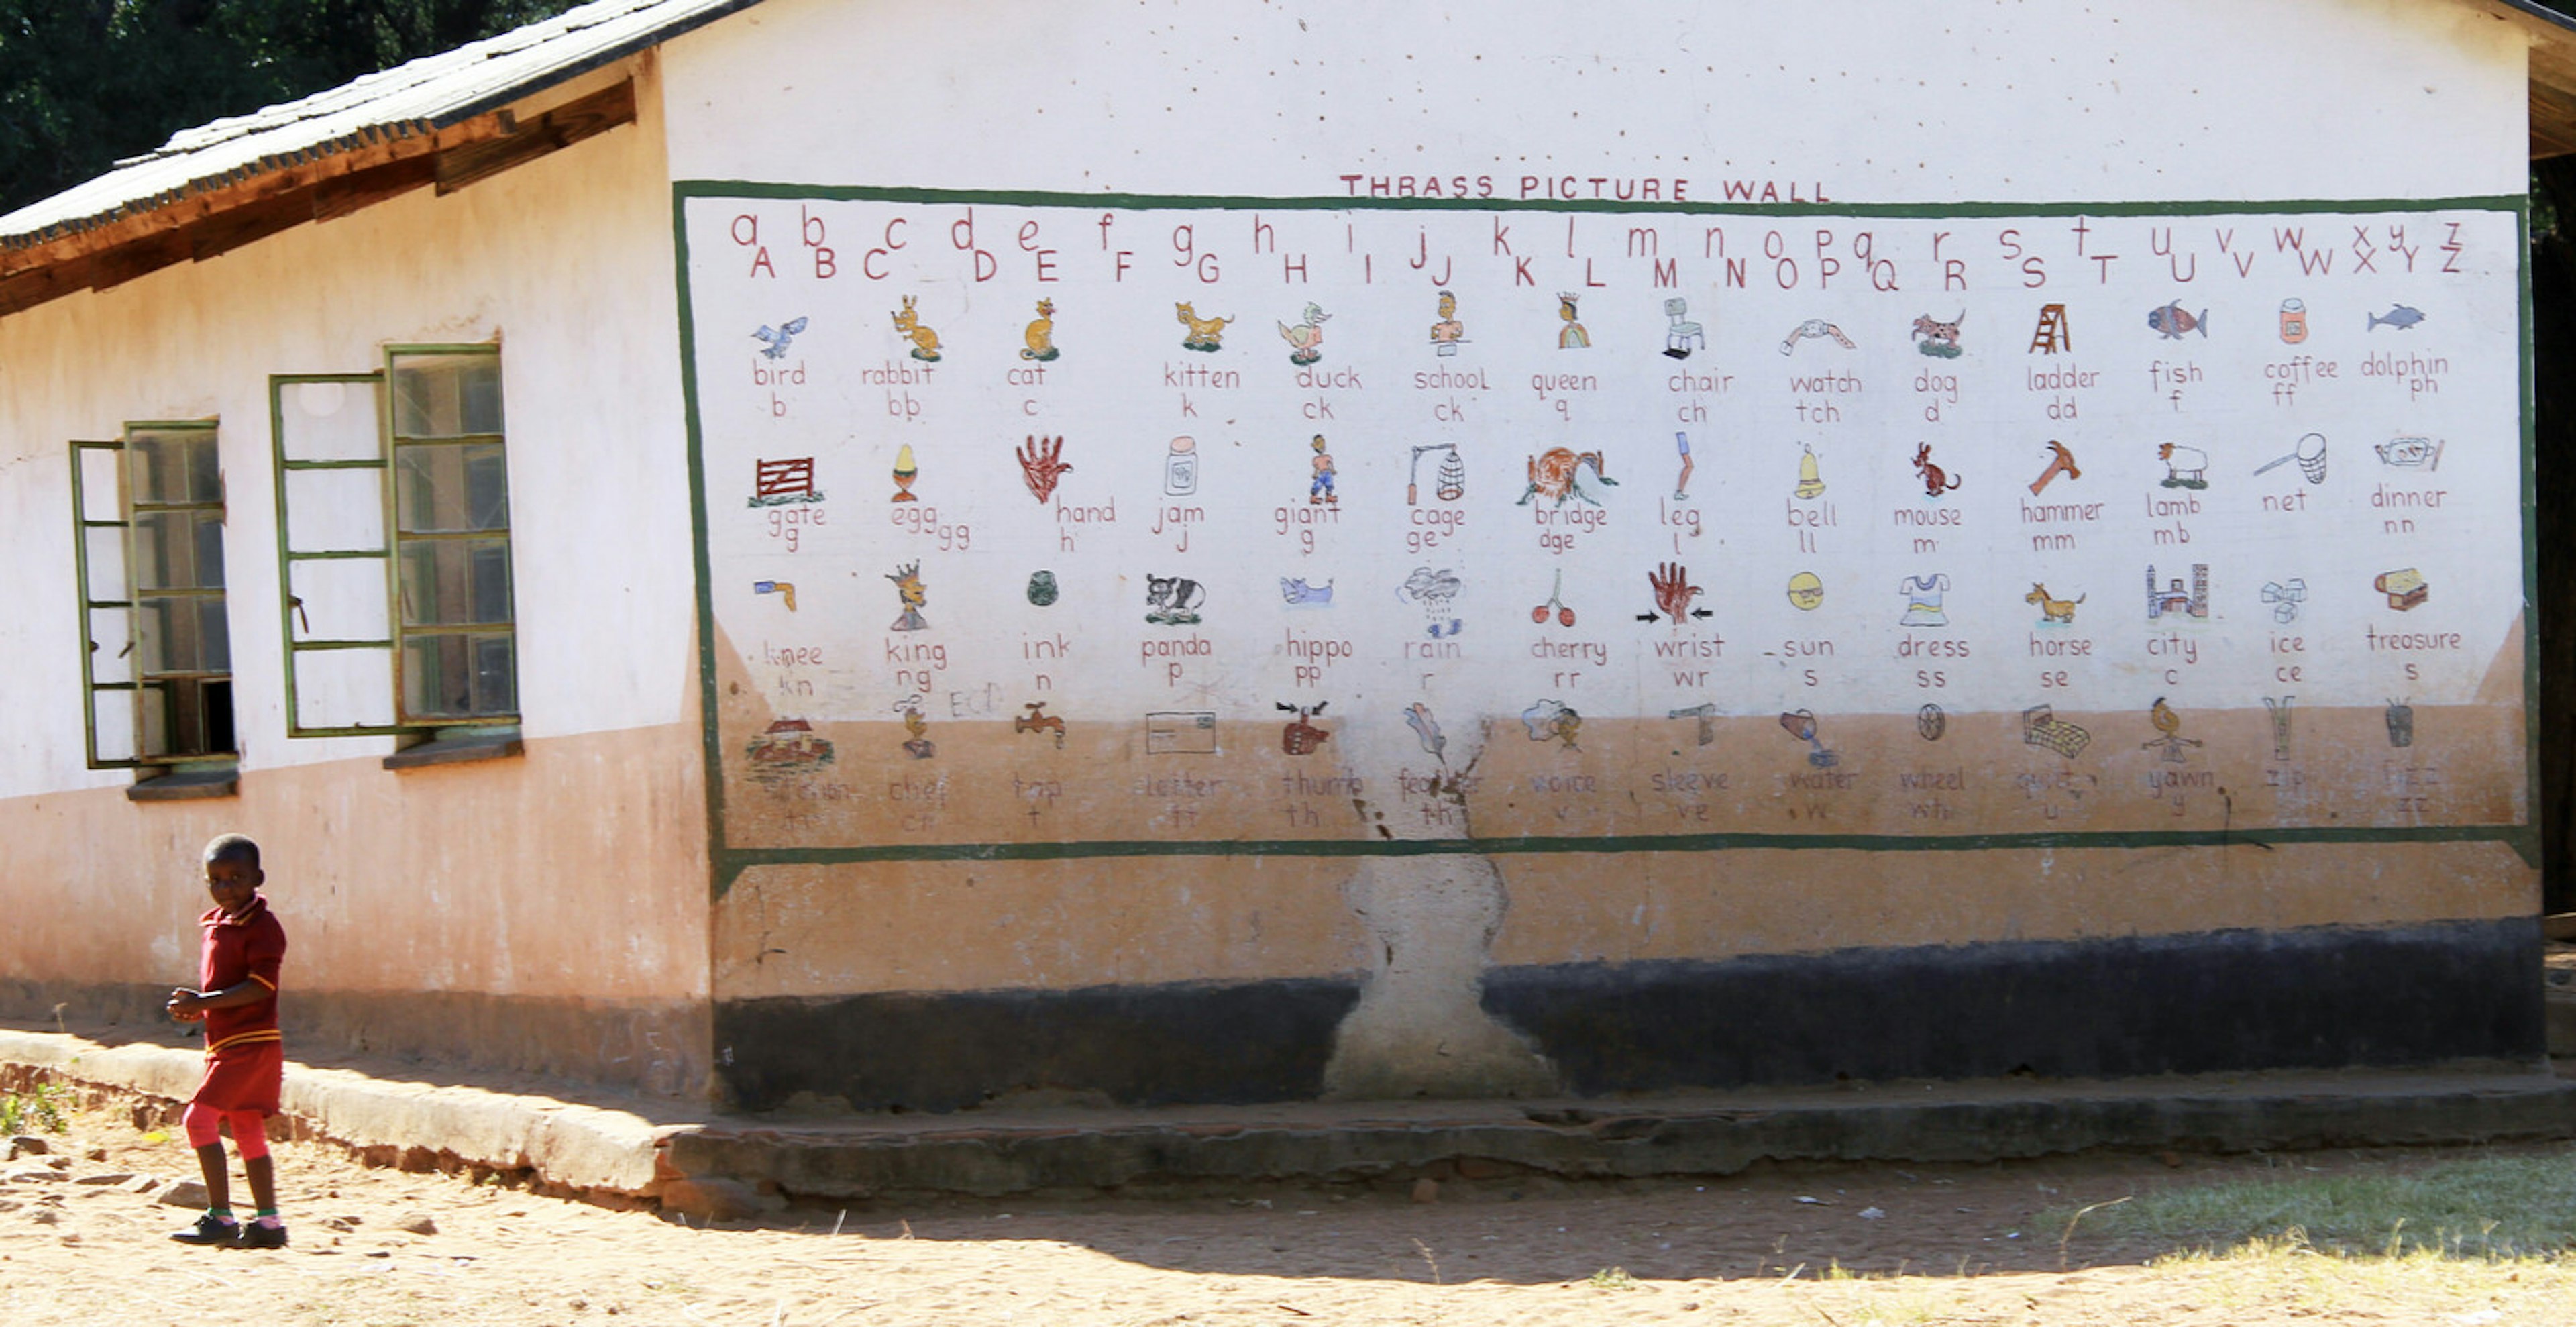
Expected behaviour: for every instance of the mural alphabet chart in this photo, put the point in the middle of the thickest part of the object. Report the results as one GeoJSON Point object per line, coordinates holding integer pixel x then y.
{"type": "Point", "coordinates": [1034, 520]}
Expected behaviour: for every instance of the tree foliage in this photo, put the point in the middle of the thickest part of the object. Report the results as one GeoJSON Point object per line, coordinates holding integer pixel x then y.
{"type": "Point", "coordinates": [84, 83]}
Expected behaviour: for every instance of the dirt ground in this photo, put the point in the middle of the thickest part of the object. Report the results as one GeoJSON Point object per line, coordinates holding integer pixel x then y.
{"type": "Point", "coordinates": [1838, 1246]}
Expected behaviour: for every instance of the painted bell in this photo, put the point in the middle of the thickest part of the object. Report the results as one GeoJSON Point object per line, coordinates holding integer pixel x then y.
{"type": "Point", "coordinates": [1810, 483]}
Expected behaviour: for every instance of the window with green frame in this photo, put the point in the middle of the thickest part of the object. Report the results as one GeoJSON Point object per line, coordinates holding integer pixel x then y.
{"type": "Point", "coordinates": [148, 541]}
{"type": "Point", "coordinates": [393, 495]}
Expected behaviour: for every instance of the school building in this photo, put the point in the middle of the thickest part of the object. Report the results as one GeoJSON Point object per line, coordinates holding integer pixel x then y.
{"type": "Point", "coordinates": [811, 553]}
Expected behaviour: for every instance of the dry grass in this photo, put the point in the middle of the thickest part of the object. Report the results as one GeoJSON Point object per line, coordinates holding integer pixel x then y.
{"type": "Point", "coordinates": [2511, 1208]}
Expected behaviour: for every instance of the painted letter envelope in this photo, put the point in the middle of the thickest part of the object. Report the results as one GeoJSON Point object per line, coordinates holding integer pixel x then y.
{"type": "Point", "coordinates": [1180, 733]}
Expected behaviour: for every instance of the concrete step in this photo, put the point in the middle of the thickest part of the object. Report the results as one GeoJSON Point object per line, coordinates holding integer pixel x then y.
{"type": "Point", "coordinates": [1700, 1134]}
{"type": "Point", "coordinates": [627, 1151]}
{"type": "Point", "coordinates": [2562, 1021]}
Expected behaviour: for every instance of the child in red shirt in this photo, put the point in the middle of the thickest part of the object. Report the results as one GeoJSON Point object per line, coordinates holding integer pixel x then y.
{"type": "Point", "coordinates": [245, 1059]}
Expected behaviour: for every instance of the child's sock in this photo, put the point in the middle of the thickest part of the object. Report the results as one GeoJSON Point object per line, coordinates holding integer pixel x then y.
{"type": "Point", "coordinates": [223, 1214]}
{"type": "Point", "coordinates": [269, 1219]}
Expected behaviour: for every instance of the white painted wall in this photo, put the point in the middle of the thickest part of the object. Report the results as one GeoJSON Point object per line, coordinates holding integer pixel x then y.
{"type": "Point", "coordinates": [1198, 116]}
{"type": "Point", "coordinates": [1876, 100]}
{"type": "Point", "coordinates": [567, 260]}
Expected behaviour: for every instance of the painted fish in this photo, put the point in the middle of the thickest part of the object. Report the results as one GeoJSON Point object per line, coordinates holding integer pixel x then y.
{"type": "Point", "coordinates": [2400, 317]}
{"type": "Point", "coordinates": [2173, 320]}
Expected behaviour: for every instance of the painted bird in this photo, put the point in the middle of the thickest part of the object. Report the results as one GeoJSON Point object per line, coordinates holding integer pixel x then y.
{"type": "Point", "coordinates": [1306, 339]}
{"type": "Point", "coordinates": [779, 336]}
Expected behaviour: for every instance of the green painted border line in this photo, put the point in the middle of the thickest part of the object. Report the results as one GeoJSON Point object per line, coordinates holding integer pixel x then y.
{"type": "Point", "coordinates": [2528, 843]}
{"type": "Point", "coordinates": [741, 859]}
{"type": "Point", "coordinates": [702, 558]}
{"type": "Point", "coordinates": [756, 189]}
{"type": "Point", "coordinates": [726, 863]}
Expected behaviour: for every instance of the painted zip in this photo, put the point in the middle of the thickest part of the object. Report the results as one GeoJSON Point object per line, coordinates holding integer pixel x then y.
{"type": "Point", "coordinates": [727, 863]}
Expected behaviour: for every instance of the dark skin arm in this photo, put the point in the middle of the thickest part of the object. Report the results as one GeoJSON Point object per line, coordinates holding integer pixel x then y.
{"type": "Point", "coordinates": [188, 1006]}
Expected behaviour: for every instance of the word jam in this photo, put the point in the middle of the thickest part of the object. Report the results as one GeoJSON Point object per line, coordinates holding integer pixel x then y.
{"type": "Point", "coordinates": [1616, 505]}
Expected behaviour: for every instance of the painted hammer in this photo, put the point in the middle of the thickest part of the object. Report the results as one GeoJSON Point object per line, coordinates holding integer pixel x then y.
{"type": "Point", "coordinates": [2062, 462]}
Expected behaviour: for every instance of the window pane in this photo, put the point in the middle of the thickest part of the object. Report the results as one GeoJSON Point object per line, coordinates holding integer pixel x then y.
{"type": "Point", "coordinates": [105, 554]}
{"type": "Point", "coordinates": [165, 556]}
{"type": "Point", "coordinates": [102, 493]}
{"type": "Point", "coordinates": [112, 713]}
{"type": "Point", "coordinates": [447, 396]}
{"type": "Point", "coordinates": [345, 688]}
{"type": "Point", "coordinates": [496, 674]}
{"type": "Point", "coordinates": [178, 550]}
{"type": "Point", "coordinates": [153, 702]}
{"type": "Point", "coordinates": [335, 511]}
{"type": "Point", "coordinates": [214, 635]}
{"type": "Point", "coordinates": [177, 466]}
{"type": "Point", "coordinates": [182, 636]}
{"type": "Point", "coordinates": [441, 490]}
{"type": "Point", "coordinates": [340, 599]}
{"type": "Point", "coordinates": [329, 421]}
{"type": "Point", "coordinates": [456, 582]}
{"type": "Point", "coordinates": [210, 550]}
{"type": "Point", "coordinates": [166, 634]}
{"type": "Point", "coordinates": [186, 717]}
{"type": "Point", "coordinates": [451, 676]}
{"type": "Point", "coordinates": [111, 645]}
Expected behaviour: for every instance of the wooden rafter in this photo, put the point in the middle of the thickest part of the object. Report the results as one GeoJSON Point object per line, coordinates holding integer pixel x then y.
{"type": "Point", "coordinates": [224, 217]}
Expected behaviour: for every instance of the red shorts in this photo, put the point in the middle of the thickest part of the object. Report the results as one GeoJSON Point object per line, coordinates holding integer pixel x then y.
{"type": "Point", "coordinates": [244, 1078]}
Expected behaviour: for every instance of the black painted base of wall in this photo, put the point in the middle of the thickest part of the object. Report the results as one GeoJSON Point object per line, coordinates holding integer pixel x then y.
{"type": "Point", "coordinates": [660, 1049]}
{"type": "Point", "coordinates": [2200, 1003]}
{"type": "Point", "coordinates": [1135, 1045]}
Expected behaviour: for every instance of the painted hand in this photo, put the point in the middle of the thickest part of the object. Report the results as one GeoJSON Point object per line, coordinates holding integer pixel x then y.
{"type": "Point", "coordinates": [1041, 464]}
{"type": "Point", "coordinates": [1673, 590]}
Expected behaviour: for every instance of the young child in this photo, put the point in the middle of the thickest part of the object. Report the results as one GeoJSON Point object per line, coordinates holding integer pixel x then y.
{"type": "Point", "coordinates": [245, 1059]}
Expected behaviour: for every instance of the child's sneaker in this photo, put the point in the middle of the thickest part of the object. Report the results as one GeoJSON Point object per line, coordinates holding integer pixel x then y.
{"type": "Point", "coordinates": [259, 1235]}
{"type": "Point", "coordinates": [210, 1229]}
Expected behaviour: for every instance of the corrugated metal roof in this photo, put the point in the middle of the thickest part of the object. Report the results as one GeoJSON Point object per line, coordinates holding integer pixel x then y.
{"type": "Point", "coordinates": [427, 94]}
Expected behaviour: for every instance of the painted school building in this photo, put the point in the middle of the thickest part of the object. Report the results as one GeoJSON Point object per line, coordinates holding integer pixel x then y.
{"type": "Point", "coordinates": [825, 552]}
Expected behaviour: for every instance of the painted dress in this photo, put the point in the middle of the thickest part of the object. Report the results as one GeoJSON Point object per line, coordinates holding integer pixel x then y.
{"type": "Point", "coordinates": [1923, 600]}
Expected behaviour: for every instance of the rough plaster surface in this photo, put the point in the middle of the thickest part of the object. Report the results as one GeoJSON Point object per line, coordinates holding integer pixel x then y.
{"type": "Point", "coordinates": [585, 1146]}
{"type": "Point", "coordinates": [1419, 1030]}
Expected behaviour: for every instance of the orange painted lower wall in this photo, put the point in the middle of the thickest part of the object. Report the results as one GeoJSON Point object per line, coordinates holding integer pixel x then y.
{"type": "Point", "coordinates": [948, 985]}
{"type": "Point", "coordinates": [544, 912]}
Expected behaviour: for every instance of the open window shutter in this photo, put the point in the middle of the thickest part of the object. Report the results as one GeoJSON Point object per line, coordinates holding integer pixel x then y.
{"type": "Point", "coordinates": [106, 603]}
{"type": "Point", "coordinates": [334, 563]}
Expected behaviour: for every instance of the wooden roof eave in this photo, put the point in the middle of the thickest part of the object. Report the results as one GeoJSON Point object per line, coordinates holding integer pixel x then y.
{"type": "Point", "coordinates": [215, 215]}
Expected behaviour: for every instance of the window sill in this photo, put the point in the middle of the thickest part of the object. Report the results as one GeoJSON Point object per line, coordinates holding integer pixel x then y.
{"type": "Point", "coordinates": [460, 749]}
{"type": "Point", "coordinates": [187, 785]}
